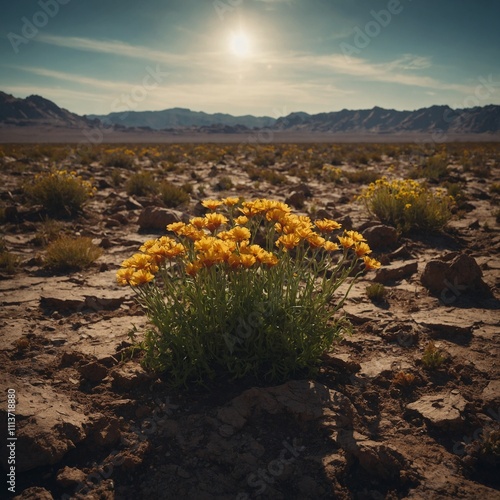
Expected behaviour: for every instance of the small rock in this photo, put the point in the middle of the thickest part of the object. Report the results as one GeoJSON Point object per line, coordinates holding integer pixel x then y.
{"type": "Point", "coordinates": [304, 189]}
{"type": "Point", "coordinates": [34, 493]}
{"type": "Point", "coordinates": [158, 218]}
{"type": "Point", "coordinates": [377, 366]}
{"type": "Point", "coordinates": [297, 200]}
{"type": "Point", "coordinates": [396, 272]}
{"type": "Point", "coordinates": [441, 410]}
{"type": "Point", "coordinates": [128, 376]}
{"type": "Point", "coordinates": [380, 236]}
{"type": "Point", "coordinates": [452, 275]}
{"type": "Point", "coordinates": [93, 371]}
{"type": "Point", "coordinates": [70, 476]}
{"type": "Point", "coordinates": [491, 393]}
{"type": "Point", "coordinates": [132, 204]}
{"type": "Point", "coordinates": [342, 361]}
{"type": "Point", "coordinates": [377, 459]}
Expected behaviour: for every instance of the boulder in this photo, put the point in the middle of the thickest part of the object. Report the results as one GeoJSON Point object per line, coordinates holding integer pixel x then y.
{"type": "Point", "coordinates": [396, 271]}
{"type": "Point", "coordinates": [157, 218]}
{"type": "Point", "coordinates": [452, 275]}
{"type": "Point", "coordinates": [380, 236]}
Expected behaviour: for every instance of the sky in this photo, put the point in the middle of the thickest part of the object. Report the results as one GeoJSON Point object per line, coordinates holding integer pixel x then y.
{"type": "Point", "coordinates": [259, 57]}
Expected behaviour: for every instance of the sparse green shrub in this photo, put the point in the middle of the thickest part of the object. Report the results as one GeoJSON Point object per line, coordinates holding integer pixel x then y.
{"type": "Point", "coordinates": [61, 193]}
{"type": "Point", "coordinates": [172, 196]}
{"type": "Point", "coordinates": [141, 184]}
{"type": "Point", "coordinates": [49, 230]}
{"type": "Point", "coordinates": [434, 169]}
{"type": "Point", "coordinates": [71, 254]}
{"type": "Point", "coordinates": [432, 359]}
{"type": "Point", "coordinates": [361, 176]}
{"type": "Point", "coordinates": [408, 205]}
{"type": "Point", "coordinates": [404, 379]}
{"type": "Point", "coordinates": [224, 183]}
{"type": "Point", "coordinates": [271, 176]}
{"type": "Point", "coordinates": [376, 291]}
{"type": "Point", "coordinates": [120, 159]}
{"type": "Point", "coordinates": [8, 261]}
{"type": "Point", "coordinates": [221, 304]}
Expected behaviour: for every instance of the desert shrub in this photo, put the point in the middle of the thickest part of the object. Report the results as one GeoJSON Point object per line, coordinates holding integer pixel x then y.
{"type": "Point", "coordinates": [61, 193]}
{"type": "Point", "coordinates": [495, 188]}
{"type": "Point", "coordinates": [376, 291]}
{"type": "Point", "coordinates": [434, 168]}
{"type": "Point", "coordinates": [261, 174]}
{"type": "Point", "coordinates": [432, 359]}
{"type": "Point", "coordinates": [362, 176]}
{"type": "Point", "coordinates": [329, 173]}
{"type": "Point", "coordinates": [49, 230]}
{"type": "Point", "coordinates": [71, 254]}
{"type": "Point", "coordinates": [8, 261]}
{"type": "Point", "coordinates": [220, 304]}
{"type": "Point", "coordinates": [224, 183]}
{"type": "Point", "coordinates": [119, 158]}
{"type": "Point", "coordinates": [141, 184]}
{"type": "Point", "coordinates": [172, 195]}
{"type": "Point", "coordinates": [408, 205]}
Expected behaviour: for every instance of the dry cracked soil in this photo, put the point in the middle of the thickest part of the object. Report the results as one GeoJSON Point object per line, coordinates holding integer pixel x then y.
{"type": "Point", "coordinates": [375, 423]}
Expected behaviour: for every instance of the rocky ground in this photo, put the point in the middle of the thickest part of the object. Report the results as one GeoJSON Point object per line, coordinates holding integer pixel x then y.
{"type": "Point", "coordinates": [376, 423]}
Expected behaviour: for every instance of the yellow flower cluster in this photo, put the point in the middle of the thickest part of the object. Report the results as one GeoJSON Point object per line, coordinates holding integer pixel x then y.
{"type": "Point", "coordinates": [210, 240]}
{"type": "Point", "coordinates": [64, 176]}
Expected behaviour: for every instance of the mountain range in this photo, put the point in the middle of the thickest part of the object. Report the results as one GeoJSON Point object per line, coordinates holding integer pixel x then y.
{"type": "Point", "coordinates": [35, 110]}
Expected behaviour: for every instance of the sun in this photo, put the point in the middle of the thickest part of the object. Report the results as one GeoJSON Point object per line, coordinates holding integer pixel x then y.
{"type": "Point", "coordinates": [239, 44]}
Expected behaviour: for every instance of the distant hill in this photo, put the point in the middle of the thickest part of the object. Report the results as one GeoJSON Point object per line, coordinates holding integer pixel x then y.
{"type": "Point", "coordinates": [384, 121]}
{"type": "Point", "coordinates": [35, 110]}
{"type": "Point", "coordinates": [181, 118]}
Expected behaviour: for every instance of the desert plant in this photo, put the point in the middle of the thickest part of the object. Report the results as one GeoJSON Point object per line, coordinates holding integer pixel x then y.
{"type": "Point", "coordinates": [173, 196]}
{"type": "Point", "coordinates": [49, 230]}
{"type": "Point", "coordinates": [434, 169]}
{"type": "Point", "coordinates": [376, 291]}
{"type": "Point", "coordinates": [220, 303]}
{"type": "Point", "coordinates": [224, 183]}
{"type": "Point", "coordinates": [261, 174]}
{"type": "Point", "coordinates": [408, 204]}
{"type": "Point", "coordinates": [361, 176]}
{"type": "Point", "coordinates": [404, 379]}
{"type": "Point", "coordinates": [71, 254]}
{"type": "Point", "coordinates": [61, 193]}
{"type": "Point", "coordinates": [8, 261]}
{"type": "Point", "coordinates": [432, 359]}
{"type": "Point", "coordinates": [141, 184]}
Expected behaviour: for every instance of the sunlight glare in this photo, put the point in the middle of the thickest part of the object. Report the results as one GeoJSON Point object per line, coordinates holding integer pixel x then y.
{"type": "Point", "coordinates": [239, 44]}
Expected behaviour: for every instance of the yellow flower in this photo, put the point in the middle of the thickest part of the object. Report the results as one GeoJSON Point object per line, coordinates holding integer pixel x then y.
{"type": "Point", "coordinates": [214, 220]}
{"type": "Point", "coordinates": [230, 201]}
{"type": "Point", "coordinates": [315, 240]}
{"type": "Point", "coordinates": [237, 234]}
{"type": "Point", "coordinates": [140, 277]}
{"type": "Point", "coordinates": [193, 267]}
{"type": "Point", "coordinates": [355, 236]}
{"type": "Point", "coordinates": [407, 206]}
{"type": "Point", "coordinates": [247, 260]}
{"type": "Point", "coordinates": [345, 241]}
{"type": "Point", "coordinates": [147, 245]}
{"type": "Point", "coordinates": [176, 227]}
{"type": "Point", "coordinates": [211, 204]}
{"type": "Point", "coordinates": [275, 214]}
{"type": "Point", "coordinates": [361, 249]}
{"type": "Point", "coordinates": [198, 222]}
{"type": "Point", "coordinates": [371, 263]}
{"type": "Point", "coordinates": [327, 225]}
{"type": "Point", "coordinates": [124, 275]}
{"type": "Point", "coordinates": [288, 241]}
{"type": "Point", "coordinates": [329, 246]}
{"type": "Point", "coordinates": [241, 220]}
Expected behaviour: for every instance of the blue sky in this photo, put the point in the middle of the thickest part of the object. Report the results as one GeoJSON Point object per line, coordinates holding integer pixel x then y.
{"type": "Point", "coordinates": [260, 57]}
